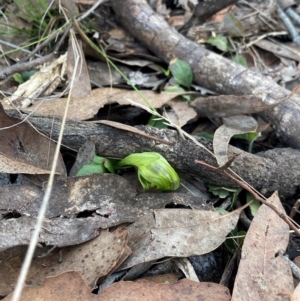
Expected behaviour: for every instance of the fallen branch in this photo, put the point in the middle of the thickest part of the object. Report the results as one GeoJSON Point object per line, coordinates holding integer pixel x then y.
{"type": "Point", "coordinates": [211, 70]}
{"type": "Point", "coordinates": [277, 169]}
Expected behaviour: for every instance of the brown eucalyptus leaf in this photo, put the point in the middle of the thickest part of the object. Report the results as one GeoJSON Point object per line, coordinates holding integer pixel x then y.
{"type": "Point", "coordinates": [56, 232]}
{"type": "Point", "coordinates": [183, 113]}
{"type": "Point", "coordinates": [67, 286]}
{"type": "Point", "coordinates": [108, 199]}
{"type": "Point", "coordinates": [23, 149]}
{"type": "Point", "coordinates": [92, 260]}
{"type": "Point", "coordinates": [178, 233]}
{"type": "Point", "coordinates": [183, 290]}
{"type": "Point", "coordinates": [263, 273]}
{"type": "Point", "coordinates": [87, 107]}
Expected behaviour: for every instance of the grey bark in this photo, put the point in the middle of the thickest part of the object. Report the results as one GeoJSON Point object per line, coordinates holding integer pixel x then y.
{"type": "Point", "coordinates": [211, 70]}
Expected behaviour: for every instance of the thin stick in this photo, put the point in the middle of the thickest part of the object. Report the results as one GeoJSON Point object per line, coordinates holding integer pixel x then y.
{"type": "Point", "coordinates": [42, 211]}
{"type": "Point", "coordinates": [23, 65]}
{"type": "Point", "coordinates": [255, 195]}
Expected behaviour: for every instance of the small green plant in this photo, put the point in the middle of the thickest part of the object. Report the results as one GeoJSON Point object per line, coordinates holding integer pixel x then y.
{"type": "Point", "coordinates": [219, 41]}
{"type": "Point", "coordinates": [239, 59]}
{"type": "Point", "coordinates": [99, 165]}
{"type": "Point", "coordinates": [249, 137]}
{"type": "Point", "coordinates": [23, 77]}
{"type": "Point", "coordinates": [157, 122]}
{"type": "Point", "coordinates": [224, 192]}
{"type": "Point", "coordinates": [181, 72]}
{"type": "Point", "coordinates": [33, 11]}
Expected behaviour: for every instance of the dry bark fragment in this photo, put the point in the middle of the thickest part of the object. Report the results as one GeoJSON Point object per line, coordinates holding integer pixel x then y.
{"type": "Point", "coordinates": [211, 70]}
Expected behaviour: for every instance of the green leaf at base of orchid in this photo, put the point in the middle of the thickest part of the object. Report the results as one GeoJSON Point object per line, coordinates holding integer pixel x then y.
{"type": "Point", "coordinates": [99, 165]}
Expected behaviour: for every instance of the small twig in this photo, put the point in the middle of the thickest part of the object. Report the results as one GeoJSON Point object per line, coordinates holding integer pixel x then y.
{"type": "Point", "coordinates": [48, 40]}
{"type": "Point", "coordinates": [255, 195]}
{"type": "Point", "coordinates": [23, 65]}
{"type": "Point", "coordinates": [90, 10]}
{"type": "Point", "coordinates": [16, 47]}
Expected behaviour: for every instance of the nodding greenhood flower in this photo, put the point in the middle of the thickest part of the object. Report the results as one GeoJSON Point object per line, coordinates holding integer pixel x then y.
{"type": "Point", "coordinates": [153, 170]}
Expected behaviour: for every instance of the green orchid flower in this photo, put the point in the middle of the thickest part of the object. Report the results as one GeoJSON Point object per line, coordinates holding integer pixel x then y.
{"type": "Point", "coordinates": [153, 170]}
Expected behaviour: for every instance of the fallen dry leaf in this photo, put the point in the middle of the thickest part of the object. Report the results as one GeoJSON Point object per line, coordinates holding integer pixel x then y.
{"type": "Point", "coordinates": [186, 267]}
{"type": "Point", "coordinates": [181, 113]}
{"type": "Point", "coordinates": [168, 278]}
{"type": "Point", "coordinates": [92, 260]}
{"type": "Point", "coordinates": [183, 290]}
{"type": "Point", "coordinates": [58, 232]}
{"type": "Point", "coordinates": [232, 126]}
{"type": "Point", "coordinates": [263, 274]}
{"type": "Point", "coordinates": [87, 107]}
{"type": "Point", "coordinates": [67, 286]}
{"type": "Point", "coordinates": [296, 294]}
{"type": "Point", "coordinates": [70, 286]}
{"type": "Point", "coordinates": [179, 233]}
{"type": "Point", "coordinates": [24, 150]}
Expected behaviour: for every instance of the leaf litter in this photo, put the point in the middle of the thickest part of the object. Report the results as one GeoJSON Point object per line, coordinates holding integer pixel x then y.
{"type": "Point", "coordinates": [154, 233]}
{"type": "Point", "coordinates": [92, 260]}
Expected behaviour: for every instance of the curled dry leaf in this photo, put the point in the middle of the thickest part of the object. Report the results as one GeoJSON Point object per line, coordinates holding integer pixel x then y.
{"type": "Point", "coordinates": [232, 126]}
